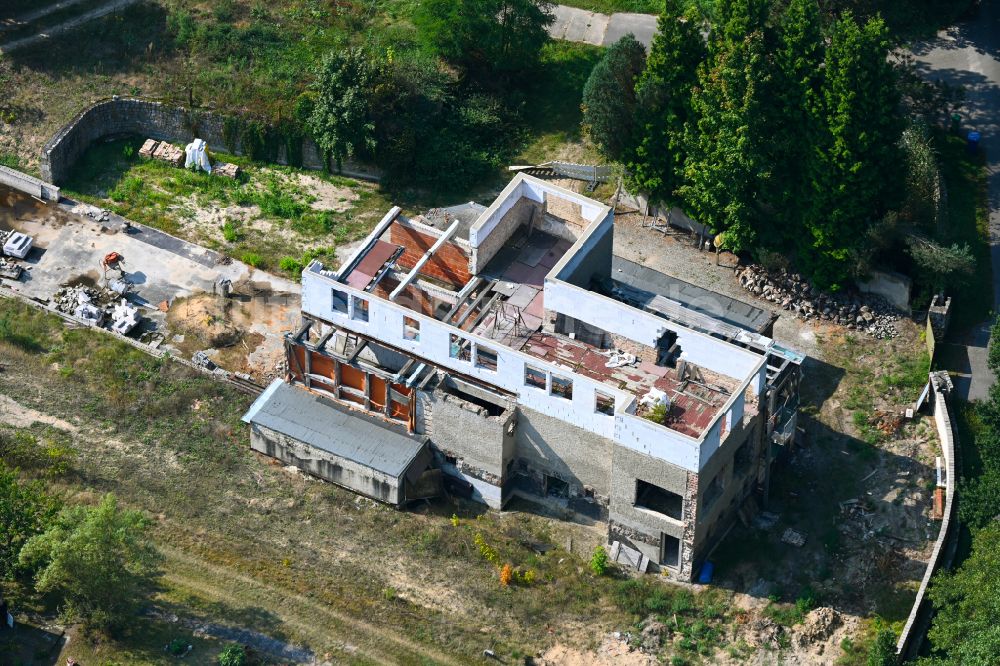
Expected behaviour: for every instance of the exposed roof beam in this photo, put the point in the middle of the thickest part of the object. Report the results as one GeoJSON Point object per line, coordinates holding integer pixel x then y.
{"type": "Point", "coordinates": [423, 260]}
{"type": "Point", "coordinates": [348, 265]}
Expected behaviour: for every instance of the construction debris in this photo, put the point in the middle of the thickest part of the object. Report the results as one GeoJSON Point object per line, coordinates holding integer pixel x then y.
{"type": "Point", "coordinates": [167, 152]}
{"type": "Point", "coordinates": [866, 313]}
{"type": "Point", "coordinates": [124, 318]}
{"type": "Point", "coordinates": [227, 169]}
{"type": "Point", "coordinates": [794, 538]}
{"type": "Point", "coordinates": [888, 423]}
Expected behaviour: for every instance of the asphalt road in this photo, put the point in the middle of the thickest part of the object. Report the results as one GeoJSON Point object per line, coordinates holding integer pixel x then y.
{"type": "Point", "coordinates": [579, 25]}
{"type": "Point", "coordinates": [968, 54]}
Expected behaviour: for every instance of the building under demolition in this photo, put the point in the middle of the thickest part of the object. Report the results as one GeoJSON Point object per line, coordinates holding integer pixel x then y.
{"type": "Point", "coordinates": [508, 346]}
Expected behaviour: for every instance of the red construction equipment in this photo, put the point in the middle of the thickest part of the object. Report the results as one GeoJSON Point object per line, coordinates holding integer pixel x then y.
{"type": "Point", "coordinates": [113, 261]}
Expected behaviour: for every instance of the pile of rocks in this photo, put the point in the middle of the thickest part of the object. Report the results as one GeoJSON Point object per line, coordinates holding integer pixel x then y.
{"type": "Point", "coordinates": [868, 313]}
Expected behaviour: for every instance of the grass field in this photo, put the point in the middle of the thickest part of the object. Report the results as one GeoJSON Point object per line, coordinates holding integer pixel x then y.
{"type": "Point", "coordinates": [249, 546]}
{"type": "Point", "coordinates": [271, 213]}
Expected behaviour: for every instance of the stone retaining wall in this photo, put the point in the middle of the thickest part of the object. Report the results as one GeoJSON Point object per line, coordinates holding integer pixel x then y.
{"type": "Point", "coordinates": [944, 548]}
{"type": "Point", "coordinates": [156, 120]}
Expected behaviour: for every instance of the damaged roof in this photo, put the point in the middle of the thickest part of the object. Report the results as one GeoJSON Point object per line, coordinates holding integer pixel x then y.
{"type": "Point", "coordinates": [346, 433]}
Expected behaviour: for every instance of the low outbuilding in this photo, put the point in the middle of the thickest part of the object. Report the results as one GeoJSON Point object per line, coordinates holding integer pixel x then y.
{"type": "Point", "coordinates": [337, 444]}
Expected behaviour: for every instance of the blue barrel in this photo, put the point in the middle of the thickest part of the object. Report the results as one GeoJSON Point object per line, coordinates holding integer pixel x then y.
{"type": "Point", "coordinates": [972, 142]}
{"type": "Point", "coordinates": [705, 576]}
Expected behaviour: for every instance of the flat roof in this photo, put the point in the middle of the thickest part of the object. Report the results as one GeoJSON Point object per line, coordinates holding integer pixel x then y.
{"type": "Point", "coordinates": [346, 433]}
{"type": "Point", "coordinates": [711, 303]}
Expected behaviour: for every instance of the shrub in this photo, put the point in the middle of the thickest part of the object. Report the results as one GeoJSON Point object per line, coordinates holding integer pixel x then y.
{"type": "Point", "coordinates": [506, 574]}
{"type": "Point", "coordinates": [99, 559]}
{"type": "Point", "coordinates": [883, 649]}
{"type": "Point", "coordinates": [488, 552]}
{"type": "Point", "coordinates": [230, 232]}
{"type": "Point", "coordinates": [290, 265]}
{"type": "Point", "coordinates": [599, 561]}
{"type": "Point", "coordinates": [233, 655]}
{"type": "Point", "coordinates": [252, 259]}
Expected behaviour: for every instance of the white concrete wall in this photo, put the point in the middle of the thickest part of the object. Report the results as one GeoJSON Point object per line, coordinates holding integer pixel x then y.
{"type": "Point", "coordinates": [385, 323]}
{"type": "Point", "coordinates": [28, 184]}
{"type": "Point", "coordinates": [646, 328]}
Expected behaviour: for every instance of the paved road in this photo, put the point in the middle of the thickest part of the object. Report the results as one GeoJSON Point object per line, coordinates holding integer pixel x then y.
{"type": "Point", "coordinates": [579, 25]}
{"type": "Point", "coordinates": [69, 24]}
{"type": "Point", "coordinates": [969, 54]}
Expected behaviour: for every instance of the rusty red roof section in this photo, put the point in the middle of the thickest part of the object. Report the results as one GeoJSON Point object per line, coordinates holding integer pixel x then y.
{"type": "Point", "coordinates": [693, 405]}
{"type": "Point", "coordinates": [372, 263]}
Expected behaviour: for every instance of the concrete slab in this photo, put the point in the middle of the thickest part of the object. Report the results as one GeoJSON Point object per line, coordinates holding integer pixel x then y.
{"type": "Point", "coordinates": [578, 25]}
{"type": "Point", "coordinates": [69, 248]}
{"type": "Point", "coordinates": [642, 27]}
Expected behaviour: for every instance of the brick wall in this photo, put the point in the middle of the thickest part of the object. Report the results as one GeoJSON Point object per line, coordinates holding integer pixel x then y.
{"type": "Point", "coordinates": [450, 263]}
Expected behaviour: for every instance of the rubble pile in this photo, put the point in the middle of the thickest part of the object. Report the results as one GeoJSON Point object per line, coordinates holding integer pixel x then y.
{"type": "Point", "coordinates": [85, 303]}
{"type": "Point", "coordinates": [868, 313]}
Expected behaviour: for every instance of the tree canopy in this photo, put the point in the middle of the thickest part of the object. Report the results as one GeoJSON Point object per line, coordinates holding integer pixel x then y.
{"type": "Point", "coordinates": [485, 36]}
{"type": "Point", "coordinates": [609, 98]}
{"type": "Point", "coordinates": [663, 94]}
{"type": "Point", "coordinates": [99, 559]}
{"type": "Point", "coordinates": [25, 512]}
{"type": "Point", "coordinates": [340, 119]}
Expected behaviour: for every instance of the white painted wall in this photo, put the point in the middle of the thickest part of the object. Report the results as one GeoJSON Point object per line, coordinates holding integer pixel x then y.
{"type": "Point", "coordinates": [385, 323]}
{"type": "Point", "coordinates": [645, 328]}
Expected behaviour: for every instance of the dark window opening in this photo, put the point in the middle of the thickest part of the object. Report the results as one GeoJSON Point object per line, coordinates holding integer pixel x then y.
{"type": "Point", "coordinates": [491, 408]}
{"type": "Point", "coordinates": [486, 358]}
{"type": "Point", "coordinates": [714, 489]}
{"type": "Point", "coordinates": [743, 457]}
{"type": "Point", "coordinates": [604, 403]}
{"type": "Point", "coordinates": [671, 548]}
{"type": "Point", "coordinates": [667, 350]}
{"type": "Point", "coordinates": [534, 377]}
{"type": "Point", "coordinates": [562, 387]}
{"type": "Point", "coordinates": [555, 487]}
{"type": "Point", "coordinates": [360, 309]}
{"type": "Point", "coordinates": [654, 498]}
{"type": "Point", "coordinates": [339, 302]}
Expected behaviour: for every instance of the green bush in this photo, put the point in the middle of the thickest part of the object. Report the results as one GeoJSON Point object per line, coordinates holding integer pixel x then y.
{"type": "Point", "coordinates": [290, 265]}
{"type": "Point", "coordinates": [252, 259]}
{"type": "Point", "coordinates": [233, 655]}
{"type": "Point", "coordinates": [230, 232]}
{"type": "Point", "coordinates": [599, 562]}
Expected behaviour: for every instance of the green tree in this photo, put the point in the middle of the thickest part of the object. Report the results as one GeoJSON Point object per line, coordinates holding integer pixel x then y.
{"type": "Point", "coordinates": [948, 266]}
{"type": "Point", "coordinates": [25, 511]}
{"type": "Point", "coordinates": [99, 559]}
{"type": "Point", "coordinates": [855, 172]}
{"type": "Point", "coordinates": [609, 99]}
{"type": "Point", "coordinates": [966, 628]}
{"type": "Point", "coordinates": [794, 124]}
{"type": "Point", "coordinates": [485, 36]}
{"type": "Point", "coordinates": [727, 156]}
{"type": "Point", "coordinates": [663, 95]}
{"type": "Point", "coordinates": [340, 121]}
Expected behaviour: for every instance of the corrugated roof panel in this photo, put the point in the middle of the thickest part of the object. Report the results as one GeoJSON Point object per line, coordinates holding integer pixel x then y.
{"type": "Point", "coordinates": [306, 417]}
